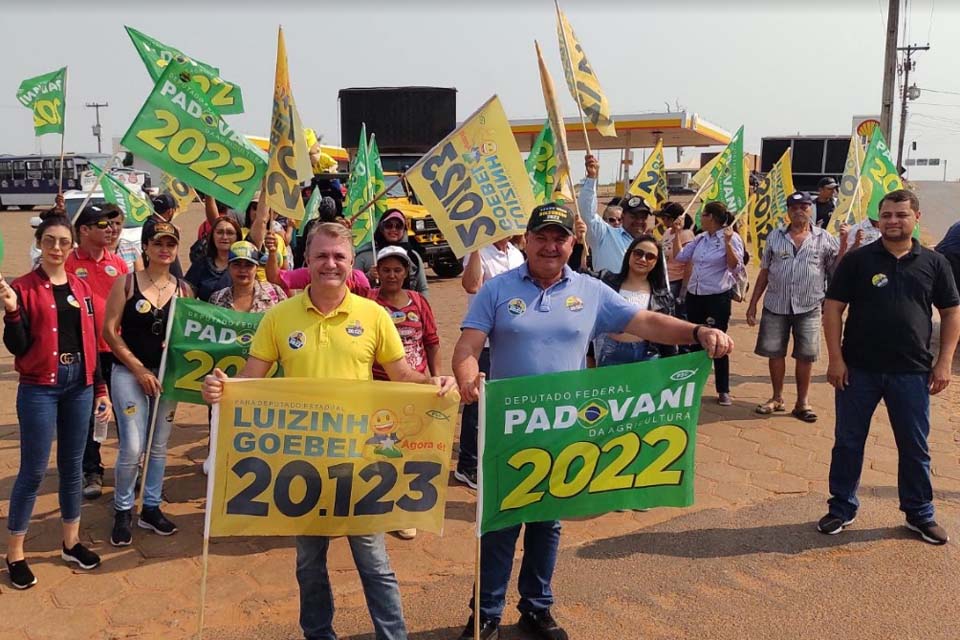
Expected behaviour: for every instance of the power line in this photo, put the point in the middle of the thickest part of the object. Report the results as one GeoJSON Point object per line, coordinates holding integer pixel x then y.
{"type": "Point", "coordinates": [950, 93]}
{"type": "Point", "coordinates": [937, 104]}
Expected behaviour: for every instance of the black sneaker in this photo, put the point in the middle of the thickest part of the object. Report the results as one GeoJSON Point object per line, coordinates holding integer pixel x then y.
{"type": "Point", "coordinates": [930, 532]}
{"type": "Point", "coordinates": [152, 518]}
{"type": "Point", "coordinates": [832, 525]}
{"type": "Point", "coordinates": [80, 555]}
{"type": "Point", "coordinates": [540, 624]}
{"type": "Point", "coordinates": [121, 535]}
{"type": "Point", "coordinates": [21, 577]}
{"type": "Point", "coordinates": [92, 485]}
{"type": "Point", "coordinates": [489, 630]}
{"type": "Point", "coordinates": [467, 477]}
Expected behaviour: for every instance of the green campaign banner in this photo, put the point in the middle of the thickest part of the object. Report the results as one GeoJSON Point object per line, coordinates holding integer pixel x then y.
{"type": "Point", "coordinates": [583, 443]}
{"type": "Point", "coordinates": [46, 97]}
{"type": "Point", "coordinates": [541, 164]}
{"type": "Point", "coordinates": [135, 207]}
{"type": "Point", "coordinates": [359, 193]}
{"type": "Point", "coordinates": [729, 179]}
{"type": "Point", "coordinates": [377, 180]}
{"type": "Point", "coordinates": [179, 131]}
{"type": "Point", "coordinates": [200, 338]}
{"type": "Point", "coordinates": [223, 95]}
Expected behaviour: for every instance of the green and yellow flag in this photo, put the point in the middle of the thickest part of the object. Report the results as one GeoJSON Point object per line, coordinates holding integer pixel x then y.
{"type": "Point", "coordinates": [768, 206]}
{"type": "Point", "coordinates": [359, 194]}
{"type": "Point", "coordinates": [310, 211]}
{"type": "Point", "coordinates": [879, 173]}
{"type": "Point", "coordinates": [183, 193]}
{"type": "Point", "coordinates": [541, 164]}
{"type": "Point", "coordinates": [849, 201]}
{"type": "Point", "coordinates": [46, 97]}
{"type": "Point", "coordinates": [377, 181]}
{"type": "Point", "coordinates": [289, 163]}
{"type": "Point", "coordinates": [651, 183]}
{"type": "Point", "coordinates": [156, 56]}
{"type": "Point", "coordinates": [134, 206]}
{"type": "Point", "coordinates": [553, 115]}
{"type": "Point", "coordinates": [581, 79]}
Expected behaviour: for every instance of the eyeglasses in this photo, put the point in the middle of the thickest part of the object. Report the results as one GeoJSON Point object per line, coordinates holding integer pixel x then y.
{"type": "Point", "coordinates": [639, 254]}
{"type": "Point", "coordinates": [613, 220]}
{"type": "Point", "coordinates": [49, 242]}
{"type": "Point", "coordinates": [103, 223]}
{"type": "Point", "coordinates": [393, 225]}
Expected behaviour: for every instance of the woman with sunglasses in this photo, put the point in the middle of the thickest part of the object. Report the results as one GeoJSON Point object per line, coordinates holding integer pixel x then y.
{"type": "Point", "coordinates": [210, 273]}
{"type": "Point", "coordinates": [715, 257]}
{"type": "Point", "coordinates": [245, 292]}
{"type": "Point", "coordinates": [640, 281]}
{"type": "Point", "coordinates": [51, 330]}
{"type": "Point", "coordinates": [135, 327]}
{"type": "Point", "coordinates": [392, 232]}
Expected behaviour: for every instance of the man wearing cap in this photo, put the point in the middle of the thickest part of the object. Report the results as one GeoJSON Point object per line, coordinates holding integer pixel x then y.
{"type": "Point", "coordinates": [539, 319]}
{"type": "Point", "coordinates": [796, 263]}
{"type": "Point", "coordinates": [826, 200]}
{"type": "Point", "coordinates": [164, 209]}
{"type": "Point", "coordinates": [609, 243]}
{"type": "Point", "coordinates": [323, 349]}
{"type": "Point", "coordinates": [97, 226]}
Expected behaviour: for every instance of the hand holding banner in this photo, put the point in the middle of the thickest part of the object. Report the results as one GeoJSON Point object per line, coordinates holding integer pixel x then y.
{"type": "Point", "coordinates": [45, 96]}
{"type": "Point", "coordinates": [474, 183]}
{"type": "Point", "coordinates": [179, 131]}
{"type": "Point", "coordinates": [298, 456]}
{"type": "Point", "coordinates": [582, 443]}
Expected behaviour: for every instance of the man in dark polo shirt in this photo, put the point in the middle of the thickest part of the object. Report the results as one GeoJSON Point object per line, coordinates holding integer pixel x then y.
{"type": "Point", "coordinates": [890, 287]}
{"type": "Point", "coordinates": [826, 200]}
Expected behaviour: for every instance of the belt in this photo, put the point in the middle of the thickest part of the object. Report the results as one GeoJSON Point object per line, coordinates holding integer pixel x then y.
{"type": "Point", "coordinates": [70, 358]}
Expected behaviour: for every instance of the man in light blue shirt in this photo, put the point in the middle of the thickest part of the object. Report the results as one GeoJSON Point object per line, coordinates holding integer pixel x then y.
{"type": "Point", "coordinates": [539, 318]}
{"type": "Point", "coordinates": [608, 244]}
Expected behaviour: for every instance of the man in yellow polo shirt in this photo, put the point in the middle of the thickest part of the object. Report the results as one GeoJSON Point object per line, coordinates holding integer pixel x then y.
{"type": "Point", "coordinates": [327, 332]}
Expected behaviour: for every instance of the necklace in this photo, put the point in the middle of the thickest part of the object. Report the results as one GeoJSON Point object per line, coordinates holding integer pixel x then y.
{"type": "Point", "coordinates": [160, 289]}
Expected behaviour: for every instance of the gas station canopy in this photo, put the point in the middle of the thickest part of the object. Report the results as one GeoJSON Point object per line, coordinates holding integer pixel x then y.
{"type": "Point", "coordinates": [634, 131]}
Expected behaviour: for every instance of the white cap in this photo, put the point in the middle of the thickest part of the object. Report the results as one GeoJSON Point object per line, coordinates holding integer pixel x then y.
{"type": "Point", "coordinates": [395, 251]}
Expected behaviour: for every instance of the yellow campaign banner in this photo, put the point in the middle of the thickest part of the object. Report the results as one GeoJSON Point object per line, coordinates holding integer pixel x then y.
{"type": "Point", "coordinates": [703, 174]}
{"type": "Point", "coordinates": [651, 183]}
{"type": "Point", "coordinates": [553, 115]}
{"type": "Point", "coordinates": [474, 183]}
{"type": "Point", "coordinates": [768, 206]}
{"type": "Point", "coordinates": [850, 192]}
{"type": "Point", "coordinates": [299, 456]}
{"type": "Point", "coordinates": [288, 148]}
{"type": "Point", "coordinates": [183, 193]}
{"type": "Point", "coordinates": [581, 79]}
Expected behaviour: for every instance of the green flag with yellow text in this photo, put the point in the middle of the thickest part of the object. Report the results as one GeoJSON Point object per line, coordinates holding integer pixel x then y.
{"type": "Point", "coordinates": [359, 194]}
{"type": "Point", "coordinates": [46, 97]}
{"type": "Point", "coordinates": [135, 206]}
{"type": "Point", "coordinates": [541, 164]}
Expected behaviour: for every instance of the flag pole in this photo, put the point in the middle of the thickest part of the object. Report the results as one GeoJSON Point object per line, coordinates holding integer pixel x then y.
{"type": "Point", "coordinates": [93, 187]}
{"type": "Point", "coordinates": [706, 185]}
{"type": "Point", "coordinates": [481, 441]}
{"type": "Point", "coordinates": [576, 94]}
{"type": "Point", "coordinates": [63, 134]}
{"type": "Point", "coordinates": [208, 510]}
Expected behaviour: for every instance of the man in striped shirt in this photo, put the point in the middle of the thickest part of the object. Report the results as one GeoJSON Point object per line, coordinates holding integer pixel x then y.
{"type": "Point", "coordinates": [794, 267]}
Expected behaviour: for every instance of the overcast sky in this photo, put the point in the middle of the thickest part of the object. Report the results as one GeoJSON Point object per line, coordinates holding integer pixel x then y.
{"type": "Point", "coordinates": [779, 67]}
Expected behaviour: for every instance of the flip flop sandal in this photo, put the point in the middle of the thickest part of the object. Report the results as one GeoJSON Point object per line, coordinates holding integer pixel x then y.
{"type": "Point", "coordinates": [770, 406]}
{"type": "Point", "coordinates": [805, 413]}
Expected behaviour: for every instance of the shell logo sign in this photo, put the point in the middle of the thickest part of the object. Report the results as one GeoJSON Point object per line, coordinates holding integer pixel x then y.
{"type": "Point", "coordinates": [863, 126]}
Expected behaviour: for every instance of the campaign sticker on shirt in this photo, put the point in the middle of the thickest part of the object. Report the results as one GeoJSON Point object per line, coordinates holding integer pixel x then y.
{"type": "Point", "coordinates": [110, 270]}
{"type": "Point", "coordinates": [81, 272]}
{"type": "Point", "coordinates": [73, 301]}
{"type": "Point", "coordinates": [574, 303]}
{"type": "Point", "coordinates": [516, 306]}
{"type": "Point", "coordinates": [296, 340]}
{"type": "Point", "coordinates": [880, 280]}
{"type": "Point", "coordinates": [398, 317]}
{"type": "Point", "coordinates": [143, 306]}
{"type": "Point", "coordinates": [413, 317]}
{"type": "Point", "coordinates": [355, 329]}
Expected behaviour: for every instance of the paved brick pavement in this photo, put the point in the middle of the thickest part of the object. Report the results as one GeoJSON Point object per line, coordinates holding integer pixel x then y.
{"type": "Point", "coordinates": [743, 562]}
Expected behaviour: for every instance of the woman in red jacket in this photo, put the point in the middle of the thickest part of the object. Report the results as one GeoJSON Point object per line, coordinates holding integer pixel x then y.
{"type": "Point", "coordinates": [51, 330]}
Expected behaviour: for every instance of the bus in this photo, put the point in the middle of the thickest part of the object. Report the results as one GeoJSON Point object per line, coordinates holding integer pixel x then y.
{"type": "Point", "coordinates": [31, 181]}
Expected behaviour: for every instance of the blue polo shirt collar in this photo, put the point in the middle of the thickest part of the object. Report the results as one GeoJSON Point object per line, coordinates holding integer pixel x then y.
{"type": "Point", "coordinates": [543, 302]}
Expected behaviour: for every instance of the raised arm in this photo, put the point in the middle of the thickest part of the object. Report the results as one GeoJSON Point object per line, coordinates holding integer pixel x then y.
{"type": "Point", "coordinates": [472, 276]}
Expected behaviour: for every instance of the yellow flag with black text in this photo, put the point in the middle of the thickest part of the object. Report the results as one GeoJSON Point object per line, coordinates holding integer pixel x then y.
{"type": "Point", "coordinates": [289, 163]}
{"type": "Point", "coordinates": [768, 206]}
{"type": "Point", "coordinates": [651, 183]}
{"type": "Point", "coordinates": [298, 456]}
{"type": "Point", "coordinates": [581, 79]}
{"type": "Point", "coordinates": [850, 199]}
{"type": "Point", "coordinates": [553, 115]}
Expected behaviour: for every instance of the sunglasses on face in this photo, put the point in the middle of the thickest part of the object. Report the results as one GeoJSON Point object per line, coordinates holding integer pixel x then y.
{"type": "Point", "coordinates": [49, 242]}
{"type": "Point", "coordinates": [640, 254]}
{"type": "Point", "coordinates": [103, 223]}
{"type": "Point", "coordinates": [393, 225]}
{"type": "Point", "coordinates": [613, 220]}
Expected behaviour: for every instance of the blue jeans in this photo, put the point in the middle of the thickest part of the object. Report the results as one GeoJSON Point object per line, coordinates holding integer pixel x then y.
{"type": "Point", "coordinates": [610, 352]}
{"type": "Point", "coordinates": [469, 419]}
{"type": "Point", "coordinates": [63, 411]}
{"type": "Point", "coordinates": [133, 410]}
{"type": "Point", "coordinates": [908, 406]}
{"type": "Point", "coordinates": [380, 587]}
{"type": "Point", "coordinates": [540, 543]}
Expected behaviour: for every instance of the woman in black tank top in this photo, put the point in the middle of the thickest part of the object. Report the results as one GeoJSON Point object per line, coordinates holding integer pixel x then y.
{"type": "Point", "coordinates": [135, 327]}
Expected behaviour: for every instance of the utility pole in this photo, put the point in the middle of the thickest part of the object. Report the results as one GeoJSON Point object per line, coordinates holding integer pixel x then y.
{"type": "Point", "coordinates": [96, 128]}
{"type": "Point", "coordinates": [911, 93]}
{"type": "Point", "coordinates": [889, 69]}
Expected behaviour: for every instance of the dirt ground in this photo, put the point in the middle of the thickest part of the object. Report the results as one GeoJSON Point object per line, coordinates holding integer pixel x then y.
{"type": "Point", "coordinates": [745, 562]}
